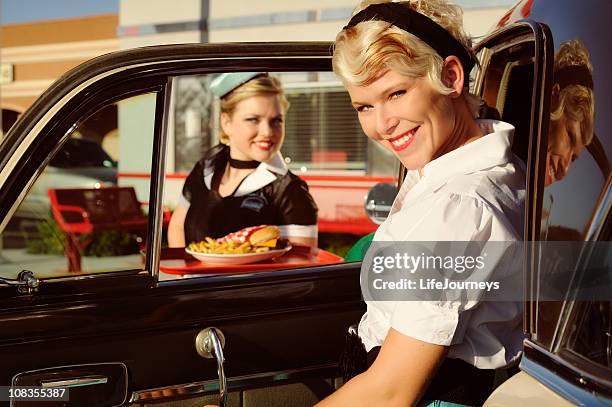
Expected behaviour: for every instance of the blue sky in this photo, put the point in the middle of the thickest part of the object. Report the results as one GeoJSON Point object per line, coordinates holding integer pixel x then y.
{"type": "Point", "coordinates": [19, 11]}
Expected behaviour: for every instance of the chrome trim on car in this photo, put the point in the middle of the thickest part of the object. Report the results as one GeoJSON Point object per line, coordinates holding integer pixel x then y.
{"type": "Point", "coordinates": [212, 386]}
{"type": "Point", "coordinates": [209, 344]}
{"type": "Point", "coordinates": [75, 382]}
{"type": "Point", "coordinates": [485, 59]}
{"type": "Point", "coordinates": [550, 380]}
{"type": "Point", "coordinates": [152, 259]}
{"type": "Point", "coordinates": [555, 372]}
{"type": "Point", "coordinates": [92, 380]}
{"type": "Point", "coordinates": [78, 277]}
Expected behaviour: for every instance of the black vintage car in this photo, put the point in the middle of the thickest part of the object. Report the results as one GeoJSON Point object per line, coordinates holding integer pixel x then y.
{"type": "Point", "coordinates": [131, 329]}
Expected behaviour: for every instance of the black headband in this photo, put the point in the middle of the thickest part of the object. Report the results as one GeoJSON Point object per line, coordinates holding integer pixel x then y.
{"type": "Point", "coordinates": [574, 75]}
{"type": "Point", "coordinates": [419, 25]}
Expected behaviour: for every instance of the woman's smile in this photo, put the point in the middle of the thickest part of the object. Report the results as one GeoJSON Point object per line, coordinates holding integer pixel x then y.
{"type": "Point", "coordinates": [404, 140]}
{"type": "Point", "coordinates": [265, 145]}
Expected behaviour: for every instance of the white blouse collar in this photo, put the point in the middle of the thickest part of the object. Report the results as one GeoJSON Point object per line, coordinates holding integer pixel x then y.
{"type": "Point", "coordinates": [263, 175]}
{"type": "Point", "coordinates": [493, 149]}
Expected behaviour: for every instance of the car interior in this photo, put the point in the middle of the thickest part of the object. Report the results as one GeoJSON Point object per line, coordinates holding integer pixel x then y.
{"type": "Point", "coordinates": [508, 68]}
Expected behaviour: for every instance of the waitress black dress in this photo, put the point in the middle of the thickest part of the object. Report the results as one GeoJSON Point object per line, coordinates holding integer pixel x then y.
{"type": "Point", "coordinates": [270, 195]}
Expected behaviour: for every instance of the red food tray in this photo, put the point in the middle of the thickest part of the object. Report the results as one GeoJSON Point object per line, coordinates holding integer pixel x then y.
{"type": "Point", "coordinates": [177, 261]}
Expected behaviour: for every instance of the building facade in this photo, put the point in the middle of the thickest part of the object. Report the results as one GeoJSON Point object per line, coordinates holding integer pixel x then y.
{"type": "Point", "coordinates": [33, 55]}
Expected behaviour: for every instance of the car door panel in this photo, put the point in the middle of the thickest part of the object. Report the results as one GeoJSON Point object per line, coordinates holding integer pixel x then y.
{"type": "Point", "coordinates": [263, 333]}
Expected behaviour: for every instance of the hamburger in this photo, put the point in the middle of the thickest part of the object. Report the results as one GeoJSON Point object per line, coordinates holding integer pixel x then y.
{"type": "Point", "coordinates": [256, 236]}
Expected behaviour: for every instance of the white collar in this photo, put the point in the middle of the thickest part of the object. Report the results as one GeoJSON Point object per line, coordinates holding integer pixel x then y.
{"type": "Point", "coordinates": [490, 150]}
{"type": "Point", "coordinates": [262, 176]}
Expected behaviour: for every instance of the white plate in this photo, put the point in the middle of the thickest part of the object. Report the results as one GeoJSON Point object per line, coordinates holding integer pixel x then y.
{"type": "Point", "coordinates": [238, 258]}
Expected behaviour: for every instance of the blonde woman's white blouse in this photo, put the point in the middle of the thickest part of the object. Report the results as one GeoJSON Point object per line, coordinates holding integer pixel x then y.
{"type": "Point", "coordinates": [475, 192]}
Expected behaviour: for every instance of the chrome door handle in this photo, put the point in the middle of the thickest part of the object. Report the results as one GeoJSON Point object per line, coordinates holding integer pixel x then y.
{"type": "Point", "coordinates": [25, 282]}
{"type": "Point", "coordinates": [209, 344]}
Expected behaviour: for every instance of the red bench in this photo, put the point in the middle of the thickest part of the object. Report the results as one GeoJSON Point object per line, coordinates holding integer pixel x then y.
{"type": "Point", "coordinates": [80, 211]}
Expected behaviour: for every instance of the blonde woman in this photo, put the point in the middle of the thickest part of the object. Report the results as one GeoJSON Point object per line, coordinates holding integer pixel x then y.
{"type": "Point", "coordinates": [244, 181]}
{"type": "Point", "coordinates": [573, 109]}
{"type": "Point", "coordinates": [406, 66]}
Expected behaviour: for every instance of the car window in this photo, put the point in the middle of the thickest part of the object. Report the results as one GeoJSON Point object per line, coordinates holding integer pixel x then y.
{"type": "Point", "coordinates": [576, 179]}
{"type": "Point", "coordinates": [592, 331]}
{"type": "Point", "coordinates": [563, 224]}
{"type": "Point", "coordinates": [81, 216]}
{"type": "Point", "coordinates": [324, 146]}
{"type": "Point", "coordinates": [588, 332]}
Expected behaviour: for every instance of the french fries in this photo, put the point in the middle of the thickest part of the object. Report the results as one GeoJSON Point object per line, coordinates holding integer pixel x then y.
{"type": "Point", "coordinates": [211, 246]}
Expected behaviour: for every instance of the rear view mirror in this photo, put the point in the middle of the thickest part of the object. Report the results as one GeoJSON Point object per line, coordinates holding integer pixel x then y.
{"type": "Point", "coordinates": [379, 200]}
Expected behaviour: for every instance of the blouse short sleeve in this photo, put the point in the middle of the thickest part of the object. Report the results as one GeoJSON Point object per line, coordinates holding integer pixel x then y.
{"type": "Point", "coordinates": [451, 217]}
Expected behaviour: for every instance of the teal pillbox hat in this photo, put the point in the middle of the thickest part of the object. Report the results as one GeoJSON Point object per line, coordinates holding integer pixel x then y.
{"type": "Point", "coordinates": [227, 82]}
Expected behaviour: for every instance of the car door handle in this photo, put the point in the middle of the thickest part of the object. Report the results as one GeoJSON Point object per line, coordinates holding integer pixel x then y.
{"type": "Point", "coordinates": [25, 282]}
{"type": "Point", "coordinates": [209, 344]}
{"type": "Point", "coordinates": [76, 382]}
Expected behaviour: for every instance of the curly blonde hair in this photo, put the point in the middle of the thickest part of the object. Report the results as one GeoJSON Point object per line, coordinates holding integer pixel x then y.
{"type": "Point", "coordinates": [361, 52]}
{"type": "Point", "coordinates": [263, 85]}
{"type": "Point", "coordinates": [576, 102]}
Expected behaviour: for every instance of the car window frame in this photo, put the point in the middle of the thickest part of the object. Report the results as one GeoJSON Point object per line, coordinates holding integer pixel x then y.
{"type": "Point", "coordinates": [149, 277]}
{"type": "Point", "coordinates": [540, 34]}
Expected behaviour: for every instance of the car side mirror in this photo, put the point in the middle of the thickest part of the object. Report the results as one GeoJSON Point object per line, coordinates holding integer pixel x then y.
{"type": "Point", "coordinates": [379, 200]}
